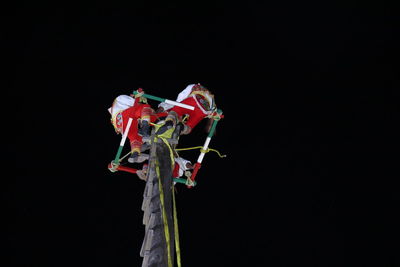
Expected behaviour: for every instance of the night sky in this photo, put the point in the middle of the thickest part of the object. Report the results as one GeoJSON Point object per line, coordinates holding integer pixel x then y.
{"type": "Point", "coordinates": [310, 93]}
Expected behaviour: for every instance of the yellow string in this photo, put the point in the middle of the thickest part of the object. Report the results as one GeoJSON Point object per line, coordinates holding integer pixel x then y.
{"type": "Point", "coordinates": [201, 150]}
{"type": "Point", "coordinates": [130, 152]}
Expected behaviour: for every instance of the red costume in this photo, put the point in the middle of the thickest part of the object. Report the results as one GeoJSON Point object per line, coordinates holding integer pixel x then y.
{"type": "Point", "coordinates": [125, 107]}
{"type": "Point", "coordinates": [194, 95]}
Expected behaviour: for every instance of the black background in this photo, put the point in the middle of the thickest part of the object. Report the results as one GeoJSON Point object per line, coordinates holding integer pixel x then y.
{"type": "Point", "coordinates": [310, 92]}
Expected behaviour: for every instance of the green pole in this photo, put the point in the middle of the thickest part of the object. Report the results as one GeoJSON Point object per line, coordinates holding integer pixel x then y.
{"type": "Point", "coordinates": [160, 99]}
{"type": "Point", "coordinates": [214, 125]}
{"type": "Point", "coordinates": [118, 155]}
{"type": "Point", "coordinates": [182, 181]}
{"type": "Point", "coordinates": [151, 97]}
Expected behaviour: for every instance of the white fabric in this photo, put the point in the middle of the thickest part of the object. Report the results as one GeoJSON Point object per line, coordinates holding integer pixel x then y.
{"type": "Point", "coordinates": [182, 165]}
{"type": "Point", "coordinates": [121, 103]}
{"type": "Point", "coordinates": [182, 96]}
